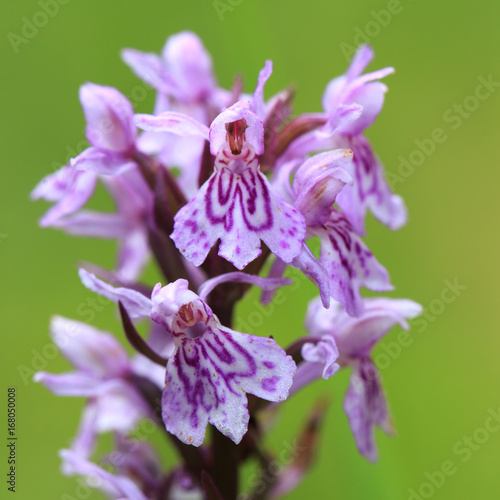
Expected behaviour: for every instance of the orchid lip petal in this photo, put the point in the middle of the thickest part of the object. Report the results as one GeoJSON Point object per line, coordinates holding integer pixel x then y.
{"type": "Point", "coordinates": [371, 191]}
{"type": "Point", "coordinates": [366, 407]}
{"type": "Point", "coordinates": [212, 367]}
{"type": "Point", "coordinates": [349, 264]}
{"type": "Point", "coordinates": [240, 209]}
{"type": "Point", "coordinates": [208, 377]}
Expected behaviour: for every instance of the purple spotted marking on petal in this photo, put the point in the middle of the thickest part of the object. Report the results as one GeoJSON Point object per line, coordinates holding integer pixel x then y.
{"type": "Point", "coordinates": [366, 407]}
{"type": "Point", "coordinates": [269, 384]}
{"type": "Point", "coordinates": [237, 206]}
{"type": "Point", "coordinates": [370, 190]}
{"type": "Point", "coordinates": [208, 377]}
{"type": "Point", "coordinates": [349, 263]}
{"type": "Point", "coordinates": [213, 367]}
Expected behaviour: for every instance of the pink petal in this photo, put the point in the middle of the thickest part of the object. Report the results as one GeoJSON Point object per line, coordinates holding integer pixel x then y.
{"type": "Point", "coordinates": [88, 349]}
{"type": "Point", "coordinates": [318, 181]}
{"type": "Point", "coordinates": [362, 58]}
{"type": "Point", "coordinates": [189, 66]}
{"type": "Point", "coordinates": [370, 190]}
{"type": "Point", "coordinates": [166, 302]}
{"type": "Point", "coordinates": [95, 224]}
{"type": "Point", "coordinates": [150, 68]}
{"type": "Point", "coordinates": [340, 119]}
{"type": "Point", "coordinates": [267, 284]}
{"type": "Point", "coordinates": [240, 210]}
{"type": "Point", "coordinates": [254, 134]}
{"type": "Point", "coordinates": [69, 384]}
{"type": "Point", "coordinates": [276, 272]}
{"type": "Point", "coordinates": [117, 487]}
{"type": "Point", "coordinates": [208, 377]}
{"type": "Point", "coordinates": [258, 95]}
{"type": "Point", "coordinates": [366, 407]}
{"type": "Point", "coordinates": [119, 407]}
{"type": "Point", "coordinates": [136, 303]}
{"type": "Point", "coordinates": [357, 336]}
{"type": "Point", "coordinates": [109, 117]}
{"type": "Point", "coordinates": [102, 162]}
{"type": "Point", "coordinates": [133, 255]}
{"type": "Point", "coordinates": [173, 122]}
{"type": "Point", "coordinates": [314, 271]}
{"type": "Point", "coordinates": [371, 99]}
{"type": "Point", "coordinates": [86, 437]}
{"type": "Point", "coordinates": [324, 352]}
{"type": "Point", "coordinates": [349, 264]}
{"type": "Point", "coordinates": [71, 190]}
{"type": "Point", "coordinates": [54, 186]}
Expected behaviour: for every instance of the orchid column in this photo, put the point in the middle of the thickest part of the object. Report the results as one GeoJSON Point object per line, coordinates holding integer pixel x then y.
{"type": "Point", "coordinates": [223, 190]}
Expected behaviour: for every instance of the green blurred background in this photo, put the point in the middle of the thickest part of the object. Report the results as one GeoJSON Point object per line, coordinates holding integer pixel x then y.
{"type": "Point", "coordinates": [443, 386]}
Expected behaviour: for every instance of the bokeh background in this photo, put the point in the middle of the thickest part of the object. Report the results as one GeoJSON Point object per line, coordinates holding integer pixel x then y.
{"type": "Point", "coordinates": [443, 385]}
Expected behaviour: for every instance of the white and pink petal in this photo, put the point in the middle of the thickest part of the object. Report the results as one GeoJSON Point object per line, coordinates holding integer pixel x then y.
{"type": "Point", "coordinates": [88, 349]}
{"type": "Point", "coordinates": [109, 115]}
{"type": "Point", "coordinates": [103, 162]}
{"type": "Point", "coordinates": [136, 304]}
{"type": "Point", "coordinates": [350, 264]}
{"type": "Point", "coordinates": [370, 190]}
{"type": "Point", "coordinates": [366, 407]}
{"type": "Point", "coordinates": [69, 188]}
{"type": "Point", "coordinates": [240, 210]}
{"type": "Point", "coordinates": [208, 377]}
